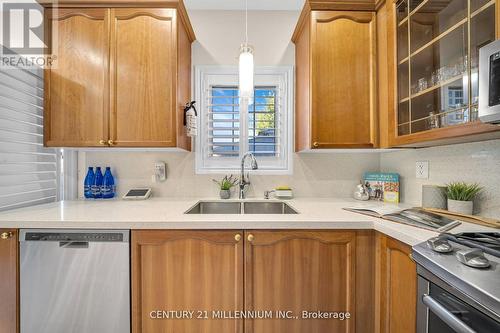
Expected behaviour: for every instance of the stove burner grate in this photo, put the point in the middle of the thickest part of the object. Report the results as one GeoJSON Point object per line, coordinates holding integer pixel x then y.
{"type": "Point", "coordinates": [489, 242]}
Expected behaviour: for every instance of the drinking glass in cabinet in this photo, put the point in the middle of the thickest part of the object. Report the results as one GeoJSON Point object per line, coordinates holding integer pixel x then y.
{"type": "Point", "coordinates": [437, 50]}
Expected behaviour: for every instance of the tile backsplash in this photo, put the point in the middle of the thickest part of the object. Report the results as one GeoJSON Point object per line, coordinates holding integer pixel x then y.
{"type": "Point", "coordinates": [315, 174]}
{"type": "Point", "coordinates": [471, 162]}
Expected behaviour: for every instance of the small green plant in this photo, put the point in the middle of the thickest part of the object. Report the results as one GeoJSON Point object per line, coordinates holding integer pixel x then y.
{"type": "Point", "coordinates": [226, 183]}
{"type": "Point", "coordinates": [462, 191]}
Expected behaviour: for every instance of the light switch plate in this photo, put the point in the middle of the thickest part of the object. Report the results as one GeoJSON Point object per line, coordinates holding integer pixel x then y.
{"type": "Point", "coordinates": [160, 174]}
{"type": "Point", "coordinates": [422, 170]}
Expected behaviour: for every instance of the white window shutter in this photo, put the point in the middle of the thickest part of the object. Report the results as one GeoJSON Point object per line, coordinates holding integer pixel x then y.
{"type": "Point", "coordinates": [223, 122]}
{"type": "Point", "coordinates": [229, 126]}
{"type": "Point", "coordinates": [28, 171]}
{"type": "Point", "coordinates": [264, 122]}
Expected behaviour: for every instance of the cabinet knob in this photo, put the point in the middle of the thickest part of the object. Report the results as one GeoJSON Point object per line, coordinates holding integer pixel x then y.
{"type": "Point", "coordinates": [315, 144]}
{"type": "Point", "coordinates": [102, 142]}
{"type": "Point", "coordinates": [6, 235]}
{"type": "Point", "coordinates": [251, 238]}
{"type": "Point", "coordinates": [237, 237]}
{"type": "Point", "coordinates": [111, 142]}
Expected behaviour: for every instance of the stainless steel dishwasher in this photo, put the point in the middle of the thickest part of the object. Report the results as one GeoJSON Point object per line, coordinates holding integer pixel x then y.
{"type": "Point", "coordinates": [74, 281]}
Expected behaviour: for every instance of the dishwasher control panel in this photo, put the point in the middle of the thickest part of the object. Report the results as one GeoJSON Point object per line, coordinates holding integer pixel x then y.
{"type": "Point", "coordinates": [74, 237]}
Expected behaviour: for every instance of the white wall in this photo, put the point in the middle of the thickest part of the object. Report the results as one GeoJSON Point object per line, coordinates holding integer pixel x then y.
{"type": "Point", "coordinates": [240, 4]}
{"type": "Point", "coordinates": [220, 33]}
{"type": "Point", "coordinates": [472, 162]}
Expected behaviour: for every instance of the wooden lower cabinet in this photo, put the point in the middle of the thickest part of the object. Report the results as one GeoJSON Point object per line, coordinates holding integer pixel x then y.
{"type": "Point", "coordinates": [308, 271]}
{"type": "Point", "coordinates": [9, 300]}
{"type": "Point", "coordinates": [330, 271]}
{"type": "Point", "coordinates": [396, 287]}
{"type": "Point", "coordinates": [186, 271]}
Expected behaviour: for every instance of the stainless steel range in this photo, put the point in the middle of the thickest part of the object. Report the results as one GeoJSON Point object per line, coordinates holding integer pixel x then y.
{"type": "Point", "coordinates": [459, 283]}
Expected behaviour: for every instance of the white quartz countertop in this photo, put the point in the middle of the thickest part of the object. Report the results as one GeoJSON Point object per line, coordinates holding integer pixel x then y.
{"type": "Point", "coordinates": [168, 213]}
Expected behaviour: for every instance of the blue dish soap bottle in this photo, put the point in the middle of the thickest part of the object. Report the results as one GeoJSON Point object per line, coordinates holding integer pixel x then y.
{"type": "Point", "coordinates": [108, 185]}
{"type": "Point", "coordinates": [87, 185]}
{"type": "Point", "coordinates": [97, 186]}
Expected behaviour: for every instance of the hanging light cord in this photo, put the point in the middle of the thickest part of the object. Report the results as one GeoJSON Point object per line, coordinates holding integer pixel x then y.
{"type": "Point", "coordinates": [246, 22]}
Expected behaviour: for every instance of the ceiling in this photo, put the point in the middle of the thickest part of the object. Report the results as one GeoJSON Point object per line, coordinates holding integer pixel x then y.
{"type": "Point", "coordinates": [240, 4]}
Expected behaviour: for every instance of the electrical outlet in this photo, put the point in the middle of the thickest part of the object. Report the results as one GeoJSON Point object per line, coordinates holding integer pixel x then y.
{"type": "Point", "coordinates": [422, 170]}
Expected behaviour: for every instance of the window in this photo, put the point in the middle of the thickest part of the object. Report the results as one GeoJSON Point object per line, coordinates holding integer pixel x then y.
{"type": "Point", "coordinates": [229, 127]}
{"type": "Point", "coordinates": [455, 97]}
{"type": "Point", "coordinates": [28, 171]}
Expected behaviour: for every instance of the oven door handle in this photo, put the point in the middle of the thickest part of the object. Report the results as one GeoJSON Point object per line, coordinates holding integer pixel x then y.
{"type": "Point", "coordinates": [446, 316]}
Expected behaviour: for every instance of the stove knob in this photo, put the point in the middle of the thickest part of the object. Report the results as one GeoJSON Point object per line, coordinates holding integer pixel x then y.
{"type": "Point", "coordinates": [440, 245]}
{"type": "Point", "coordinates": [473, 258]}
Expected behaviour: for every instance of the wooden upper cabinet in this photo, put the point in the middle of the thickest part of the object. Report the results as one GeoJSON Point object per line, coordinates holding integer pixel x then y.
{"type": "Point", "coordinates": [343, 88]}
{"type": "Point", "coordinates": [9, 300]}
{"type": "Point", "coordinates": [122, 76]}
{"type": "Point", "coordinates": [497, 6]}
{"type": "Point", "coordinates": [143, 77]}
{"type": "Point", "coordinates": [76, 85]}
{"type": "Point", "coordinates": [186, 271]}
{"type": "Point", "coordinates": [336, 80]}
{"type": "Point", "coordinates": [397, 286]}
{"type": "Point", "coordinates": [300, 271]}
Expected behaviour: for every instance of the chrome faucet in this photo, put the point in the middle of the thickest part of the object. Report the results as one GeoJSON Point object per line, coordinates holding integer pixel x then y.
{"type": "Point", "coordinates": [244, 182]}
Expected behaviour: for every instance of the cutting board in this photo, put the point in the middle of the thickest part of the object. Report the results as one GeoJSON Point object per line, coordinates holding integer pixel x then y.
{"type": "Point", "coordinates": [488, 222]}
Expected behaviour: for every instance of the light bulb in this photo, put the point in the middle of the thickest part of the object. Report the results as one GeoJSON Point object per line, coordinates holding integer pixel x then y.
{"type": "Point", "coordinates": [246, 68]}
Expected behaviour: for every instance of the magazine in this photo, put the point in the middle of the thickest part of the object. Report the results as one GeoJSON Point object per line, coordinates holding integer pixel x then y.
{"type": "Point", "coordinates": [412, 216]}
{"type": "Point", "coordinates": [382, 186]}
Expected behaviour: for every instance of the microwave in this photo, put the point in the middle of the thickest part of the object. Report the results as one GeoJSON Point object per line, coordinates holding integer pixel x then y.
{"type": "Point", "coordinates": [489, 83]}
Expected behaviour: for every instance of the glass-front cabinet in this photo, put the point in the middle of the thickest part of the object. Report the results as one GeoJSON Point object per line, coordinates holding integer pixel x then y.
{"type": "Point", "coordinates": [438, 45]}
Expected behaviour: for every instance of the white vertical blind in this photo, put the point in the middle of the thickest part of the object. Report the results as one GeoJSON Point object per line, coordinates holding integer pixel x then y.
{"type": "Point", "coordinates": [28, 171]}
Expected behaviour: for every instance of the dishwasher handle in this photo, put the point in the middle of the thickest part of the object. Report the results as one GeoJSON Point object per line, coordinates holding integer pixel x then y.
{"type": "Point", "coordinates": [446, 316]}
{"type": "Point", "coordinates": [74, 245]}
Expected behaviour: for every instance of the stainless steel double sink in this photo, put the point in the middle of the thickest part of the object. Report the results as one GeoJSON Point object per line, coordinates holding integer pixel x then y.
{"type": "Point", "coordinates": [241, 207]}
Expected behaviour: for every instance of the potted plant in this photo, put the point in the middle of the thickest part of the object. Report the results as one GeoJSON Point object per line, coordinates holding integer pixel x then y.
{"type": "Point", "coordinates": [460, 197]}
{"type": "Point", "coordinates": [225, 185]}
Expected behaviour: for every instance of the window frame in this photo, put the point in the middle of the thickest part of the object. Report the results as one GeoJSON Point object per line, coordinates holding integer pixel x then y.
{"type": "Point", "coordinates": [280, 76]}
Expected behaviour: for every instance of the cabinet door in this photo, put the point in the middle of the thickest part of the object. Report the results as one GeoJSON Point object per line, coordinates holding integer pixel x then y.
{"type": "Point", "coordinates": [343, 78]}
{"type": "Point", "coordinates": [299, 271]}
{"type": "Point", "coordinates": [397, 286]}
{"type": "Point", "coordinates": [9, 317]}
{"type": "Point", "coordinates": [76, 85]}
{"type": "Point", "coordinates": [186, 271]}
{"type": "Point", "coordinates": [143, 77]}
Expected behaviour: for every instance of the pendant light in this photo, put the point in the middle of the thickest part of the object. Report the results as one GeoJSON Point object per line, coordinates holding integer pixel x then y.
{"type": "Point", "coordinates": [246, 66]}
